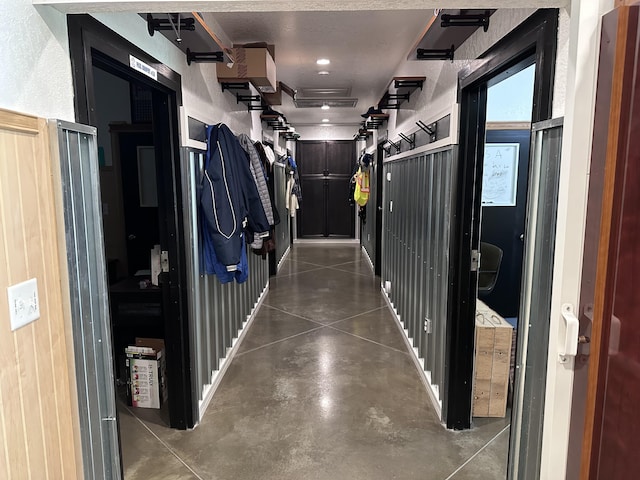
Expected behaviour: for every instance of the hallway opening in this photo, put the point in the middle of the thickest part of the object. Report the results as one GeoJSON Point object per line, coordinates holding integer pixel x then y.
{"type": "Point", "coordinates": [322, 387]}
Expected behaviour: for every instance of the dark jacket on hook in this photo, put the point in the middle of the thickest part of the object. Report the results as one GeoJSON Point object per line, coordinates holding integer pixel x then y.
{"type": "Point", "coordinates": [229, 199]}
{"type": "Point", "coordinates": [258, 174]}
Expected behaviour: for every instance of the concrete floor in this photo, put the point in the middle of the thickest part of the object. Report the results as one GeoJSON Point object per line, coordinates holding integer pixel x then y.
{"type": "Point", "coordinates": [322, 388]}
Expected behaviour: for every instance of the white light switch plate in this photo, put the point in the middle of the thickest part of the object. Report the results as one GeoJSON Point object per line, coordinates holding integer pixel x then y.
{"type": "Point", "coordinates": [24, 304]}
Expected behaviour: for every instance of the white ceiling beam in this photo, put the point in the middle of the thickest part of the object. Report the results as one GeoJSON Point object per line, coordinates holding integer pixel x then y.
{"type": "Point", "coordinates": [160, 6]}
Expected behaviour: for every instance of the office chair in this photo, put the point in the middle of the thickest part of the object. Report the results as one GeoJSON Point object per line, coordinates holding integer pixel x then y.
{"type": "Point", "coordinates": [490, 259]}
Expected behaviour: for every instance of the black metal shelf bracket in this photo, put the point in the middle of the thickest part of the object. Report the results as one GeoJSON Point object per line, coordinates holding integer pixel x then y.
{"type": "Point", "coordinates": [394, 100]}
{"type": "Point", "coordinates": [466, 20]}
{"type": "Point", "coordinates": [401, 83]}
{"type": "Point", "coordinates": [247, 98]}
{"type": "Point", "coordinates": [204, 57]}
{"type": "Point", "coordinates": [173, 22]}
{"type": "Point", "coordinates": [435, 54]}
{"type": "Point", "coordinates": [395, 145]}
{"type": "Point", "coordinates": [431, 129]}
{"type": "Point", "coordinates": [234, 86]}
{"type": "Point", "coordinates": [410, 140]}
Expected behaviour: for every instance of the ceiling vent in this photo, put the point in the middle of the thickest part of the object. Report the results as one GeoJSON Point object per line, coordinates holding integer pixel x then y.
{"type": "Point", "coordinates": [331, 102]}
{"type": "Point", "coordinates": [342, 92]}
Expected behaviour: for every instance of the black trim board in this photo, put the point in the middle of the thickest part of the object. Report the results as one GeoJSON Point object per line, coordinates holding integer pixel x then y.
{"type": "Point", "coordinates": [536, 37]}
{"type": "Point", "coordinates": [92, 43]}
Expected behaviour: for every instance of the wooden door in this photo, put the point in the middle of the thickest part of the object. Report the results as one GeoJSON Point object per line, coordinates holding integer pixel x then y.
{"type": "Point", "coordinates": [611, 417]}
{"type": "Point", "coordinates": [325, 170]}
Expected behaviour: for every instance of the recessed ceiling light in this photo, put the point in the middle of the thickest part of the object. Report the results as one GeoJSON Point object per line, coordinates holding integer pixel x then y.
{"type": "Point", "coordinates": [325, 120]}
{"type": "Point", "coordinates": [323, 61]}
{"type": "Point", "coordinates": [324, 72]}
{"type": "Point", "coordinates": [325, 107]}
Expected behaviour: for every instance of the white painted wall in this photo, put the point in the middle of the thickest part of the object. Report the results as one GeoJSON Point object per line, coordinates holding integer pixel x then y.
{"type": "Point", "coordinates": [35, 76]}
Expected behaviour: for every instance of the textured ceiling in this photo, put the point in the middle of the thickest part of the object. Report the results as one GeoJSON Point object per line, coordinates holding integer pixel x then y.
{"type": "Point", "coordinates": [367, 41]}
{"type": "Point", "coordinates": [365, 49]}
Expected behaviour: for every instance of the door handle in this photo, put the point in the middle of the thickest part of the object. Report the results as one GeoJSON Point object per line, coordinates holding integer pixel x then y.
{"type": "Point", "coordinates": [568, 346]}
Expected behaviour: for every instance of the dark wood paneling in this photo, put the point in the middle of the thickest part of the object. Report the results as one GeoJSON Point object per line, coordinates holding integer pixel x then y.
{"type": "Point", "coordinates": [340, 158]}
{"type": "Point", "coordinates": [325, 168]}
{"type": "Point", "coordinates": [311, 158]}
{"type": "Point", "coordinates": [313, 217]}
{"type": "Point", "coordinates": [340, 215]}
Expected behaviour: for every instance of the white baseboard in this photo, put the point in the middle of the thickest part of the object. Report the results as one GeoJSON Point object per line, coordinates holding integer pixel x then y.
{"type": "Point", "coordinates": [284, 257]}
{"type": "Point", "coordinates": [216, 376]}
{"type": "Point", "coordinates": [366, 255]}
{"type": "Point", "coordinates": [425, 376]}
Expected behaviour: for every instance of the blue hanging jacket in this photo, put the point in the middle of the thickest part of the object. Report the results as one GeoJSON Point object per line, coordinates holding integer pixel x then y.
{"type": "Point", "coordinates": [229, 202]}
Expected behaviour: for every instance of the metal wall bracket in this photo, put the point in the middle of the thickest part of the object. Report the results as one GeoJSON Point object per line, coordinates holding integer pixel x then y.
{"type": "Point", "coordinates": [172, 22]}
{"type": "Point", "coordinates": [431, 129]}
{"type": "Point", "coordinates": [204, 56]}
{"type": "Point", "coordinates": [234, 86]}
{"type": "Point", "coordinates": [395, 145]}
{"type": "Point", "coordinates": [410, 140]}
{"type": "Point", "coordinates": [466, 20]}
{"type": "Point", "coordinates": [435, 53]}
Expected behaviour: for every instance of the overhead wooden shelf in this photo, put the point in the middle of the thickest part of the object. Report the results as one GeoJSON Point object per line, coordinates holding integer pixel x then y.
{"type": "Point", "coordinates": [436, 37]}
{"type": "Point", "coordinates": [399, 91]}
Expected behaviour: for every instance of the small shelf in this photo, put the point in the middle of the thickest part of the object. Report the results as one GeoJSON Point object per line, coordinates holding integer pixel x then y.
{"type": "Point", "coordinates": [375, 120]}
{"type": "Point", "coordinates": [442, 38]}
{"type": "Point", "coordinates": [362, 134]}
{"type": "Point", "coordinates": [399, 91]}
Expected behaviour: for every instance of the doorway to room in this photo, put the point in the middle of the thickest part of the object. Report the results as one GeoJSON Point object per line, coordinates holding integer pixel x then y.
{"type": "Point", "coordinates": [139, 184]}
{"type": "Point", "coordinates": [503, 242]}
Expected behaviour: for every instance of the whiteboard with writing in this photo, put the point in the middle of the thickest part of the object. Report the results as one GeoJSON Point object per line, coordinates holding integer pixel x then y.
{"type": "Point", "coordinates": [500, 174]}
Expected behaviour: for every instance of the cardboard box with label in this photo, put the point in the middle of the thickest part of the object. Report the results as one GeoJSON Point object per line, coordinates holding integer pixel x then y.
{"type": "Point", "coordinates": [146, 373]}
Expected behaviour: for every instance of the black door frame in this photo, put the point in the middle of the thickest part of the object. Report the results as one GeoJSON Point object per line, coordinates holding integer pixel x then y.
{"type": "Point", "coordinates": [537, 37]}
{"type": "Point", "coordinates": [378, 206]}
{"type": "Point", "coordinates": [90, 43]}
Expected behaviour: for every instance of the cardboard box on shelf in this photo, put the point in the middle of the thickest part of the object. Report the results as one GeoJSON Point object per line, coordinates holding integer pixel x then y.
{"type": "Point", "coordinates": [251, 64]}
{"type": "Point", "coordinates": [146, 373]}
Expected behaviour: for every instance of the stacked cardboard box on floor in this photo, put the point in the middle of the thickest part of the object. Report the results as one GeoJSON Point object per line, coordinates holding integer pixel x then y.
{"type": "Point", "coordinates": [491, 363]}
{"type": "Point", "coordinates": [146, 373]}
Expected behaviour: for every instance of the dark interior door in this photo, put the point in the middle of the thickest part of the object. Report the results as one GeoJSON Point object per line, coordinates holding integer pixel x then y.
{"type": "Point", "coordinates": [503, 226]}
{"type": "Point", "coordinates": [325, 170]}
{"type": "Point", "coordinates": [140, 218]}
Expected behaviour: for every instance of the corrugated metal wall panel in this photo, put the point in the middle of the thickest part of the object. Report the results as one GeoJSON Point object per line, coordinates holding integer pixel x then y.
{"type": "Point", "coordinates": [89, 299]}
{"type": "Point", "coordinates": [368, 232]}
{"type": "Point", "coordinates": [218, 312]}
{"type": "Point", "coordinates": [416, 223]}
